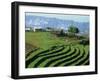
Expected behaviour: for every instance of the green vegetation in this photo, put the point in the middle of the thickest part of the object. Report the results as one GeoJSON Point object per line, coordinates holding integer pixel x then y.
{"type": "Point", "coordinates": [48, 49]}
{"type": "Point", "coordinates": [73, 29]}
{"type": "Point", "coordinates": [69, 55]}
{"type": "Point", "coordinates": [43, 40]}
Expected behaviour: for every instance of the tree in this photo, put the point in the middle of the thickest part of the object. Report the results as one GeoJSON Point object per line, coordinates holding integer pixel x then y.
{"type": "Point", "coordinates": [62, 32]}
{"type": "Point", "coordinates": [73, 29]}
{"type": "Point", "coordinates": [49, 28]}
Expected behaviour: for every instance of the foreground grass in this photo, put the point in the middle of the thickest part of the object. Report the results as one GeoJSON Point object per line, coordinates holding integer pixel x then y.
{"type": "Point", "coordinates": [70, 55]}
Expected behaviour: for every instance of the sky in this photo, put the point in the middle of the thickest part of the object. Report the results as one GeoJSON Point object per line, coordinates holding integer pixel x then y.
{"type": "Point", "coordinates": [74, 17]}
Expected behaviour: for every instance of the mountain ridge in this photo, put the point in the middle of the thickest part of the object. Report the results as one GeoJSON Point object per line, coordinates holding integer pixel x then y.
{"type": "Point", "coordinates": [31, 21]}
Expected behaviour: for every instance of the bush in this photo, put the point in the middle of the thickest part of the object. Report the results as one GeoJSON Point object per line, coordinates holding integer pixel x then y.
{"type": "Point", "coordinates": [84, 42]}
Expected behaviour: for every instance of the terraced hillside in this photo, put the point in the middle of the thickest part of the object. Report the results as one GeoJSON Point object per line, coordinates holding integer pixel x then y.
{"type": "Point", "coordinates": [58, 56]}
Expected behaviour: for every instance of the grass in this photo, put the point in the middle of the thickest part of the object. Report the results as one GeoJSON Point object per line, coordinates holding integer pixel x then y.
{"type": "Point", "coordinates": [54, 51]}
{"type": "Point", "coordinates": [53, 55]}
{"type": "Point", "coordinates": [61, 62]}
{"type": "Point", "coordinates": [42, 40]}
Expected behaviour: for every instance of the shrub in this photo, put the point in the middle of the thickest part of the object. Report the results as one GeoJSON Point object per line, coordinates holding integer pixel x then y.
{"type": "Point", "coordinates": [84, 42]}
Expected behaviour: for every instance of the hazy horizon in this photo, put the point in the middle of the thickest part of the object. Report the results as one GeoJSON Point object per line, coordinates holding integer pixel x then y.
{"type": "Point", "coordinates": [74, 17]}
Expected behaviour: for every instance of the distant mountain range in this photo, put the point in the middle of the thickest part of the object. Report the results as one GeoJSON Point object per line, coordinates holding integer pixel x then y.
{"type": "Point", "coordinates": [43, 22]}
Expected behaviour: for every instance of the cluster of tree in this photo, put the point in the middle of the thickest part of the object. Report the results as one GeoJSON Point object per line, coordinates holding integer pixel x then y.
{"type": "Point", "coordinates": [62, 33]}
{"type": "Point", "coordinates": [72, 31]}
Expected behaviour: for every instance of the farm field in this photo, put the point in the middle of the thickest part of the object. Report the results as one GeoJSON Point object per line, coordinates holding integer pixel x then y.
{"type": "Point", "coordinates": [44, 49]}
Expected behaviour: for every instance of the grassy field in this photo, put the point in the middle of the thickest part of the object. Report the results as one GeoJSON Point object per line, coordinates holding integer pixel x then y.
{"type": "Point", "coordinates": [44, 49]}
{"type": "Point", "coordinates": [42, 40]}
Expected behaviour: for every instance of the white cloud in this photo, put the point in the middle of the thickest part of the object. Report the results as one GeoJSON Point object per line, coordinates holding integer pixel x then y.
{"type": "Point", "coordinates": [37, 22]}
